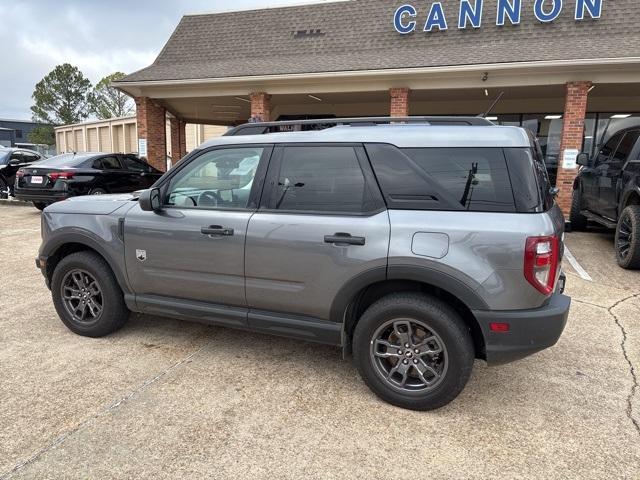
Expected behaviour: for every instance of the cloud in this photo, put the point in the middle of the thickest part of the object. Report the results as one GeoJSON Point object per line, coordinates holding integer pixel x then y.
{"type": "Point", "coordinates": [97, 37]}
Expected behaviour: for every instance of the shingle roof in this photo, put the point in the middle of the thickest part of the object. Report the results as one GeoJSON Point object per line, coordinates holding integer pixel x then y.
{"type": "Point", "coordinates": [359, 35]}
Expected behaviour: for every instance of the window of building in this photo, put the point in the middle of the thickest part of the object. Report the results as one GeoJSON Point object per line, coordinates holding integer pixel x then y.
{"type": "Point", "coordinates": [18, 133]}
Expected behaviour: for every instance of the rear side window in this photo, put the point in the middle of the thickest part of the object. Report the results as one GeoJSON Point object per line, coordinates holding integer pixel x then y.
{"type": "Point", "coordinates": [322, 179]}
{"type": "Point", "coordinates": [477, 177]}
{"type": "Point", "coordinates": [529, 179]}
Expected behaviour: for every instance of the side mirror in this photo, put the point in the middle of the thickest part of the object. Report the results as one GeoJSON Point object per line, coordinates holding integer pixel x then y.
{"type": "Point", "coordinates": [14, 162]}
{"type": "Point", "coordinates": [583, 159]}
{"type": "Point", "coordinates": [149, 200]}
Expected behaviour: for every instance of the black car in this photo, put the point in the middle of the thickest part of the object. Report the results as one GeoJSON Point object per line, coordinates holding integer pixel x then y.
{"type": "Point", "coordinates": [607, 191]}
{"type": "Point", "coordinates": [11, 160]}
{"type": "Point", "coordinates": [73, 174]}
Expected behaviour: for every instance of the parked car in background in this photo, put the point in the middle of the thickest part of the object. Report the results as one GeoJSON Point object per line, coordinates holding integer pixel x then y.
{"type": "Point", "coordinates": [72, 174]}
{"type": "Point", "coordinates": [11, 160]}
{"type": "Point", "coordinates": [607, 191]}
{"type": "Point", "coordinates": [414, 246]}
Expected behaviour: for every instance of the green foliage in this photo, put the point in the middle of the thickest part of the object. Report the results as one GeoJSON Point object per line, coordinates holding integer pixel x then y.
{"type": "Point", "coordinates": [107, 102]}
{"type": "Point", "coordinates": [43, 135]}
{"type": "Point", "coordinates": [61, 97]}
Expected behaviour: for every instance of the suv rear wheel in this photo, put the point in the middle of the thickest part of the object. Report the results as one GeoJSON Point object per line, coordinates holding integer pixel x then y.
{"type": "Point", "coordinates": [413, 351]}
{"type": "Point", "coordinates": [628, 238]}
{"type": "Point", "coordinates": [578, 221]}
{"type": "Point", "coordinates": [87, 296]}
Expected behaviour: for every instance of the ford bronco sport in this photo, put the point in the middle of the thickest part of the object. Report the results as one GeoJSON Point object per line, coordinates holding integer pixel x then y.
{"type": "Point", "coordinates": [416, 247]}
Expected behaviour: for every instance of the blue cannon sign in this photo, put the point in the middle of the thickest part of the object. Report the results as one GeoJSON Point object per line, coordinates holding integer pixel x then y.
{"type": "Point", "coordinates": [406, 19]}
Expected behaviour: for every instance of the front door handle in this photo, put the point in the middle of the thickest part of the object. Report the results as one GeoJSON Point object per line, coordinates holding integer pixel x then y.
{"type": "Point", "coordinates": [217, 230]}
{"type": "Point", "coordinates": [342, 239]}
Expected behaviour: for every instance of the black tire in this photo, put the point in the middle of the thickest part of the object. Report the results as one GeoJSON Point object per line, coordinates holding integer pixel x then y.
{"type": "Point", "coordinates": [114, 312]}
{"type": "Point", "coordinates": [628, 238]}
{"type": "Point", "coordinates": [40, 205]}
{"type": "Point", "coordinates": [3, 188]}
{"type": "Point", "coordinates": [442, 321]}
{"type": "Point", "coordinates": [578, 221]}
{"type": "Point", "coordinates": [97, 191]}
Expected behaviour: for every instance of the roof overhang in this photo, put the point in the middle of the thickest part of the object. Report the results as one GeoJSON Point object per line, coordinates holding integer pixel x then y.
{"type": "Point", "coordinates": [553, 72]}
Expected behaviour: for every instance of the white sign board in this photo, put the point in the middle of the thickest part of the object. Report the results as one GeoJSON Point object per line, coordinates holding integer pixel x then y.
{"type": "Point", "coordinates": [142, 147]}
{"type": "Point", "coordinates": [569, 158]}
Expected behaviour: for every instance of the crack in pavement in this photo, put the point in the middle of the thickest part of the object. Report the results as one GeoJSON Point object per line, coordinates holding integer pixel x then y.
{"type": "Point", "coordinates": [85, 423]}
{"type": "Point", "coordinates": [623, 346]}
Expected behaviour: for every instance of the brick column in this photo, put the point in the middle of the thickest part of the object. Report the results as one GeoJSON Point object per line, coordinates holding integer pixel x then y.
{"type": "Point", "coordinates": [575, 110]}
{"type": "Point", "coordinates": [399, 102]}
{"type": "Point", "coordinates": [183, 138]}
{"type": "Point", "coordinates": [152, 127]}
{"type": "Point", "coordinates": [260, 106]}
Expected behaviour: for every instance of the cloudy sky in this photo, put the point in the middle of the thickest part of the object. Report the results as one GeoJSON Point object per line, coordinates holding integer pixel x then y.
{"type": "Point", "coordinates": [98, 36]}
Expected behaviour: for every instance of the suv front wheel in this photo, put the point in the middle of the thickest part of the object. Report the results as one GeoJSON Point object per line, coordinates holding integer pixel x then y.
{"type": "Point", "coordinates": [413, 351]}
{"type": "Point", "coordinates": [87, 296]}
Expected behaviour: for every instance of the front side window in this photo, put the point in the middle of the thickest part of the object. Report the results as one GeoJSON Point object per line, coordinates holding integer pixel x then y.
{"type": "Point", "coordinates": [608, 148]}
{"type": "Point", "coordinates": [216, 179]}
{"type": "Point", "coordinates": [321, 179]}
{"type": "Point", "coordinates": [626, 146]}
{"type": "Point", "coordinates": [134, 165]}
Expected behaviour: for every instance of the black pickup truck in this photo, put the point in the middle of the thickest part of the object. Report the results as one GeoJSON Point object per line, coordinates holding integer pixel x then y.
{"type": "Point", "coordinates": [607, 191]}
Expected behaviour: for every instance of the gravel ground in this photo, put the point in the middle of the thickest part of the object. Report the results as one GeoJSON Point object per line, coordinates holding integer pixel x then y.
{"type": "Point", "coordinates": [168, 399]}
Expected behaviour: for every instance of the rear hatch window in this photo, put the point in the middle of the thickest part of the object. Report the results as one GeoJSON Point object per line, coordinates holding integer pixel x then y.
{"type": "Point", "coordinates": [472, 179]}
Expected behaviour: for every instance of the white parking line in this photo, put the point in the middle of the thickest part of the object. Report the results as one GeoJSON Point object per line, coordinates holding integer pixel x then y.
{"type": "Point", "coordinates": [576, 266]}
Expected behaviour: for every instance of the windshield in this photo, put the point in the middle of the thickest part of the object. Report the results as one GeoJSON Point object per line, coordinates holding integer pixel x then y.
{"type": "Point", "coordinates": [4, 156]}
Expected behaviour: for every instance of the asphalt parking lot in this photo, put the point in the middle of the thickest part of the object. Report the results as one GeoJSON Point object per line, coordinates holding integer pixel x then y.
{"type": "Point", "coordinates": [168, 399]}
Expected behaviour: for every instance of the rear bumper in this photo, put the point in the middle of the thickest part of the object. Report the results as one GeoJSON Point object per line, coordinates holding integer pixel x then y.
{"type": "Point", "coordinates": [529, 330]}
{"type": "Point", "coordinates": [40, 196]}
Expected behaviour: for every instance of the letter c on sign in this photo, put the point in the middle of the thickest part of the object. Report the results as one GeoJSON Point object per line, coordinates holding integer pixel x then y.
{"type": "Point", "coordinates": [547, 16]}
{"type": "Point", "coordinates": [398, 19]}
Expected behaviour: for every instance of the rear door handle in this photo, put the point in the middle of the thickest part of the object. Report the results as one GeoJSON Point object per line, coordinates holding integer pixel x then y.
{"type": "Point", "coordinates": [217, 230]}
{"type": "Point", "coordinates": [341, 238]}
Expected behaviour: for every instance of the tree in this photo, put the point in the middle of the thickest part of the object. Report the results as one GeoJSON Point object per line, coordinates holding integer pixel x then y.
{"type": "Point", "coordinates": [43, 135]}
{"type": "Point", "coordinates": [108, 102]}
{"type": "Point", "coordinates": [62, 96]}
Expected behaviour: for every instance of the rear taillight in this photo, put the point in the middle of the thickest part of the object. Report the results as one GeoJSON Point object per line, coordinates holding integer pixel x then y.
{"type": "Point", "coordinates": [20, 173]}
{"type": "Point", "coordinates": [541, 263]}
{"type": "Point", "coordinates": [56, 175]}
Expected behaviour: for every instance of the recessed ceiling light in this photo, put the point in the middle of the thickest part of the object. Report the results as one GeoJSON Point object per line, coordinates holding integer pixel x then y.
{"type": "Point", "coordinates": [621, 115]}
{"type": "Point", "coordinates": [553, 117]}
{"type": "Point", "coordinates": [318, 99]}
{"type": "Point", "coordinates": [492, 118]}
{"type": "Point", "coordinates": [243, 99]}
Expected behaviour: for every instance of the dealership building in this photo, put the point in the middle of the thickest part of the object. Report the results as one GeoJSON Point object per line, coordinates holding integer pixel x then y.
{"type": "Point", "coordinates": [569, 70]}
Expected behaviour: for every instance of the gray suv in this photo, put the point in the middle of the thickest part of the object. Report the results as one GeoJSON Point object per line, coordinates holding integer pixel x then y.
{"type": "Point", "coordinates": [415, 247]}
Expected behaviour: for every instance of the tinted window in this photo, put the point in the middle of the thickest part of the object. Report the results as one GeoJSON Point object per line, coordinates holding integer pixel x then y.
{"type": "Point", "coordinates": [477, 177]}
{"type": "Point", "coordinates": [135, 165]}
{"type": "Point", "coordinates": [321, 179]}
{"type": "Point", "coordinates": [110, 163]}
{"type": "Point", "coordinates": [626, 146]}
{"type": "Point", "coordinates": [529, 179]}
{"type": "Point", "coordinates": [216, 179]}
{"type": "Point", "coordinates": [609, 147]}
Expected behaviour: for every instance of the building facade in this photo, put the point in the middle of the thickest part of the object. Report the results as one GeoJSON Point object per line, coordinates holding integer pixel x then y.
{"type": "Point", "coordinates": [120, 135]}
{"type": "Point", "coordinates": [568, 70]}
{"type": "Point", "coordinates": [16, 132]}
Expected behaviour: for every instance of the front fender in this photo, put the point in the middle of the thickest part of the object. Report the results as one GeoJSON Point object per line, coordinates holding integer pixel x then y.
{"type": "Point", "coordinates": [97, 232]}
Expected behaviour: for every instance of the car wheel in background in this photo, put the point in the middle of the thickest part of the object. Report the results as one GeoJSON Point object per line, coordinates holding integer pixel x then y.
{"type": "Point", "coordinates": [628, 237]}
{"type": "Point", "coordinates": [87, 296]}
{"type": "Point", "coordinates": [4, 188]}
{"type": "Point", "coordinates": [97, 191]}
{"type": "Point", "coordinates": [413, 351]}
{"type": "Point", "coordinates": [578, 221]}
{"type": "Point", "coordinates": [40, 205]}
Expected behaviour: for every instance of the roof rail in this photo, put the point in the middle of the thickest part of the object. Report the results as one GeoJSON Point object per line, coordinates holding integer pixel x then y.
{"type": "Point", "coordinates": [259, 128]}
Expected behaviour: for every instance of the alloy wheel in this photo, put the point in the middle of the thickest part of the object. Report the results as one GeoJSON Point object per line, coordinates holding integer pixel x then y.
{"type": "Point", "coordinates": [82, 296]}
{"type": "Point", "coordinates": [408, 355]}
{"type": "Point", "coordinates": [625, 237]}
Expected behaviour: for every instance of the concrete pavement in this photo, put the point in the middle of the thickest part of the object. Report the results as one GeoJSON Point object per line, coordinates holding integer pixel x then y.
{"type": "Point", "coordinates": [168, 399]}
